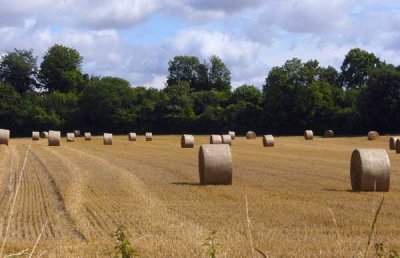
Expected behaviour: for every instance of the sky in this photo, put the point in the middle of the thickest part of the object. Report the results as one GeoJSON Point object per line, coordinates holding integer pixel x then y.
{"type": "Point", "coordinates": [135, 39]}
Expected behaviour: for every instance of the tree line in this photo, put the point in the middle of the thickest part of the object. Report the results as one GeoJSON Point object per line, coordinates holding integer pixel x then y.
{"type": "Point", "coordinates": [198, 97]}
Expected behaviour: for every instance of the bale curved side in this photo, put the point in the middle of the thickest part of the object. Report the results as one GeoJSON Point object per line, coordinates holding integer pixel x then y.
{"type": "Point", "coordinates": [35, 136]}
{"type": "Point", "coordinates": [77, 133]}
{"type": "Point", "coordinates": [370, 170]}
{"type": "Point", "coordinates": [329, 134]}
{"type": "Point", "coordinates": [71, 137]}
{"type": "Point", "coordinates": [187, 141]}
{"type": "Point", "coordinates": [215, 164]}
{"type": "Point", "coordinates": [232, 134]}
{"type": "Point", "coordinates": [398, 145]}
{"type": "Point", "coordinates": [88, 136]}
{"type": "Point", "coordinates": [4, 136]}
{"type": "Point", "coordinates": [44, 135]}
{"type": "Point", "coordinates": [215, 139]}
{"type": "Point", "coordinates": [268, 140]}
{"type": "Point", "coordinates": [132, 136]}
{"type": "Point", "coordinates": [308, 135]}
{"type": "Point", "coordinates": [251, 135]}
{"type": "Point", "coordinates": [149, 137]}
{"type": "Point", "coordinates": [107, 138]}
{"type": "Point", "coordinates": [392, 142]}
{"type": "Point", "coordinates": [54, 138]}
{"type": "Point", "coordinates": [226, 139]}
{"type": "Point", "coordinates": [373, 135]}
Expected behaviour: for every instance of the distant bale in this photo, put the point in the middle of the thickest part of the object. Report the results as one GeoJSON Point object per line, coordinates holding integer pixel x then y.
{"type": "Point", "coordinates": [308, 135]}
{"type": "Point", "coordinates": [35, 136]}
{"type": "Point", "coordinates": [251, 135]}
{"type": "Point", "coordinates": [54, 138]}
{"type": "Point", "coordinates": [226, 139]}
{"type": "Point", "coordinates": [373, 135]}
{"type": "Point", "coordinates": [132, 136]}
{"type": "Point", "coordinates": [232, 134]}
{"type": "Point", "coordinates": [370, 170]}
{"type": "Point", "coordinates": [215, 164]}
{"type": "Point", "coordinates": [107, 138]}
{"type": "Point", "coordinates": [4, 136]}
{"type": "Point", "coordinates": [268, 140]}
{"type": "Point", "coordinates": [215, 139]}
{"type": "Point", "coordinates": [88, 136]}
{"type": "Point", "coordinates": [149, 137]}
{"type": "Point", "coordinates": [392, 143]}
{"type": "Point", "coordinates": [398, 146]}
{"type": "Point", "coordinates": [329, 134]}
{"type": "Point", "coordinates": [70, 137]}
{"type": "Point", "coordinates": [187, 141]}
{"type": "Point", "coordinates": [44, 135]}
{"type": "Point", "coordinates": [77, 133]}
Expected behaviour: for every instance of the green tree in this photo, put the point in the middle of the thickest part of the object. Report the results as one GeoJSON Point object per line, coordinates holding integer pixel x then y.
{"type": "Point", "coordinates": [19, 69]}
{"type": "Point", "coordinates": [61, 69]}
{"type": "Point", "coordinates": [184, 69]}
{"type": "Point", "coordinates": [10, 101]}
{"type": "Point", "coordinates": [246, 93]}
{"type": "Point", "coordinates": [219, 74]}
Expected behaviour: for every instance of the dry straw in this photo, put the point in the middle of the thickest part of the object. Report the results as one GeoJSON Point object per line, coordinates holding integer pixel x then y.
{"type": "Point", "coordinates": [232, 134]}
{"type": "Point", "coordinates": [215, 164]}
{"type": "Point", "coordinates": [308, 134]}
{"type": "Point", "coordinates": [251, 135]}
{"type": "Point", "coordinates": [215, 139]}
{"type": "Point", "coordinates": [226, 139]}
{"type": "Point", "coordinates": [149, 137]}
{"type": "Point", "coordinates": [107, 138]}
{"type": "Point", "coordinates": [77, 133]}
{"type": "Point", "coordinates": [35, 136]}
{"type": "Point", "coordinates": [329, 134]}
{"type": "Point", "coordinates": [88, 136]}
{"type": "Point", "coordinates": [54, 138]}
{"type": "Point", "coordinates": [370, 170]}
{"type": "Point", "coordinates": [268, 140]}
{"type": "Point", "coordinates": [4, 136]}
{"type": "Point", "coordinates": [373, 135]}
{"type": "Point", "coordinates": [392, 143]}
{"type": "Point", "coordinates": [187, 141]}
{"type": "Point", "coordinates": [132, 136]}
{"type": "Point", "coordinates": [44, 135]}
{"type": "Point", "coordinates": [71, 137]}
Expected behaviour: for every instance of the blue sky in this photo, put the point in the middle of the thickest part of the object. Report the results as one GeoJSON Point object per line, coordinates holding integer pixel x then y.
{"type": "Point", "coordinates": [135, 39]}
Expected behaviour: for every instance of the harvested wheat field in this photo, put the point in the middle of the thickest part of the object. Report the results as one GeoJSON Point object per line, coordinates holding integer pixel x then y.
{"type": "Point", "coordinates": [299, 199]}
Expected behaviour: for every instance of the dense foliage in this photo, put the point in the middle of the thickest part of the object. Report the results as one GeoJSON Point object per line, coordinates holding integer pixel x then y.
{"type": "Point", "coordinates": [198, 98]}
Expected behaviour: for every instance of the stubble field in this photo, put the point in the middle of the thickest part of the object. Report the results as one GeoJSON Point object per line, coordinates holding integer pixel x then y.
{"type": "Point", "coordinates": [299, 198]}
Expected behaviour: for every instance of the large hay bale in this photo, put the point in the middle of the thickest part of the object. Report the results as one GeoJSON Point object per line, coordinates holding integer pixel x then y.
{"type": "Point", "coordinates": [373, 135]}
{"type": "Point", "coordinates": [88, 136]}
{"type": "Point", "coordinates": [70, 137]}
{"type": "Point", "coordinates": [215, 139]}
{"type": "Point", "coordinates": [232, 134]}
{"type": "Point", "coordinates": [226, 139]}
{"type": "Point", "coordinates": [44, 135]}
{"type": "Point", "coordinates": [54, 138]}
{"type": "Point", "coordinates": [268, 140]}
{"type": "Point", "coordinates": [215, 164]}
{"type": "Point", "coordinates": [149, 137]}
{"type": "Point", "coordinates": [4, 136]}
{"type": "Point", "coordinates": [132, 136]}
{"type": "Point", "coordinates": [251, 135]}
{"type": "Point", "coordinates": [370, 170]}
{"type": "Point", "coordinates": [392, 142]}
{"type": "Point", "coordinates": [187, 141]}
{"type": "Point", "coordinates": [329, 134]}
{"type": "Point", "coordinates": [308, 134]}
{"type": "Point", "coordinates": [107, 138]}
{"type": "Point", "coordinates": [35, 136]}
{"type": "Point", "coordinates": [77, 133]}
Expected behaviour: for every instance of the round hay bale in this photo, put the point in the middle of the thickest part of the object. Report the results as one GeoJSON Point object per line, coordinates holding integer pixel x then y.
{"type": "Point", "coordinates": [187, 141]}
{"type": "Point", "coordinates": [232, 134]}
{"type": "Point", "coordinates": [226, 139]}
{"type": "Point", "coordinates": [308, 134]}
{"type": "Point", "coordinates": [329, 134]}
{"type": "Point", "coordinates": [107, 138]}
{"type": "Point", "coordinates": [70, 137]}
{"type": "Point", "coordinates": [149, 137]}
{"type": "Point", "coordinates": [4, 136]}
{"type": "Point", "coordinates": [215, 139]}
{"type": "Point", "coordinates": [88, 136]}
{"type": "Point", "coordinates": [77, 133]}
{"type": "Point", "coordinates": [54, 138]}
{"type": "Point", "coordinates": [35, 136]}
{"type": "Point", "coordinates": [268, 140]}
{"type": "Point", "coordinates": [251, 135]}
{"type": "Point", "coordinates": [370, 170]}
{"type": "Point", "coordinates": [398, 145]}
{"type": "Point", "coordinates": [215, 164]}
{"type": "Point", "coordinates": [132, 136]}
{"type": "Point", "coordinates": [44, 135]}
{"type": "Point", "coordinates": [392, 143]}
{"type": "Point", "coordinates": [373, 135]}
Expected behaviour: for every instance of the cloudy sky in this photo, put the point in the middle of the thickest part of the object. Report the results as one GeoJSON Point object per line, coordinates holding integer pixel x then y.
{"type": "Point", "coordinates": [135, 39]}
